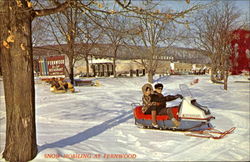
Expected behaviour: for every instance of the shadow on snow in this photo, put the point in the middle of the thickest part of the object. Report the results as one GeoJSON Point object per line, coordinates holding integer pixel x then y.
{"type": "Point", "coordinates": [91, 132]}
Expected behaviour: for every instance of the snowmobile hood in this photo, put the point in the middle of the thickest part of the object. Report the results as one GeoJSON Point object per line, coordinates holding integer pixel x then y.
{"type": "Point", "coordinates": [145, 86]}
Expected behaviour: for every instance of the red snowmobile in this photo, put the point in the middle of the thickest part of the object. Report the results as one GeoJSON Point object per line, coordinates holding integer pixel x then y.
{"type": "Point", "coordinates": [194, 118]}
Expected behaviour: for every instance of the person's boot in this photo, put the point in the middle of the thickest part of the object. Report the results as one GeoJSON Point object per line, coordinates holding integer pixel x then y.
{"type": "Point", "coordinates": [176, 122]}
{"type": "Point", "coordinates": [155, 125]}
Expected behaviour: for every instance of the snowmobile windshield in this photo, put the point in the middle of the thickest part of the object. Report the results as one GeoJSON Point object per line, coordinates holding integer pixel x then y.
{"type": "Point", "coordinates": [185, 90]}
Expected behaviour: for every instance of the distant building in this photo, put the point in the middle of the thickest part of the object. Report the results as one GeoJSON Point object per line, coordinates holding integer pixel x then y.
{"type": "Point", "coordinates": [47, 60]}
{"type": "Point", "coordinates": [240, 57]}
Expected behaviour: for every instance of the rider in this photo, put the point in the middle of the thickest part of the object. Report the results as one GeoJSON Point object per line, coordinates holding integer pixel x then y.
{"type": "Point", "coordinates": [161, 109]}
{"type": "Point", "coordinates": [56, 84]}
{"type": "Point", "coordinates": [148, 106]}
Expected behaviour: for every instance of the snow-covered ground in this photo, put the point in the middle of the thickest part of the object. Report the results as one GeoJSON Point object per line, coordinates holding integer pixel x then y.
{"type": "Point", "coordinates": [97, 123]}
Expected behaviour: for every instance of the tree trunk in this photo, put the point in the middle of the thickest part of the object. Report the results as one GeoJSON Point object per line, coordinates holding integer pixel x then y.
{"type": "Point", "coordinates": [0, 66]}
{"type": "Point", "coordinates": [18, 78]}
{"type": "Point", "coordinates": [225, 71]}
{"type": "Point", "coordinates": [225, 79]}
{"type": "Point", "coordinates": [114, 61]}
{"type": "Point", "coordinates": [114, 67]}
{"type": "Point", "coordinates": [71, 71]}
{"type": "Point", "coordinates": [150, 76]}
{"type": "Point", "coordinates": [71, 44]}
{"type": "Point", "coordinates": [213, 73]}
{"type": "Point", "coordinates": [87, 65]}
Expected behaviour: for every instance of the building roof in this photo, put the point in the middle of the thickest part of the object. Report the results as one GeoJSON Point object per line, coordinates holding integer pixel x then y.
{"type": "Point", "coordinates": [181, 54]}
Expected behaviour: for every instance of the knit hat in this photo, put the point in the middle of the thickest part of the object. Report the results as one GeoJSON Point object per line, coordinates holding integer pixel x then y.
{"type": "Point", "coordinates": [158, 85]}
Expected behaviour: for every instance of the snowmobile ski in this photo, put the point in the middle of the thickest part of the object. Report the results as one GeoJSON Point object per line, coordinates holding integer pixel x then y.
{"type": "Point", "coordinates": [211, 133]}
{"type": "Point", "coordinates": [190, 129]}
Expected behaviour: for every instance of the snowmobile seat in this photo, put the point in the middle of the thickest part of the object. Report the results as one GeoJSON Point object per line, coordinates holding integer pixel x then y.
{"type": "Point", "coordinates": [138, 114]}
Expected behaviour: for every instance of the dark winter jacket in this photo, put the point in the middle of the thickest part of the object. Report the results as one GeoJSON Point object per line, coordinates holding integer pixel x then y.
{"type": "Point", "coordinates": [159, 98]}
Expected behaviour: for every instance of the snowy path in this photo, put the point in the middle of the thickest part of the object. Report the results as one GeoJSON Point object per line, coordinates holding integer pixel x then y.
{"type": "Point", "coordinates": [99, 121]}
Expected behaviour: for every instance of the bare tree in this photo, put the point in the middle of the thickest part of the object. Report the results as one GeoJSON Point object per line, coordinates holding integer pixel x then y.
{"type": "Point", "coordinates": [40, 36]}
{"type": "Point", "coordinates": [64, 28]}
{"type": "Point", "coordinates": [115, 37]}
{"type": "Point", "coordinates": [90, 35]}
{"type": "Point", "coordinates": [213, 33]}
{"type": "Point", "coordinates": [152, 39]}
{"type": "Point", "coordinates": [154, 34]}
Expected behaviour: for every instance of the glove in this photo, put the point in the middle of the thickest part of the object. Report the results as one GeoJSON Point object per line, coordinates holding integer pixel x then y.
{"type": "Point", "coordinates": [180, 96]}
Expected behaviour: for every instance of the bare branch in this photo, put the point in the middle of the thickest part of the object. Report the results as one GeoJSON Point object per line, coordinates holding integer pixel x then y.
{"type": "Point", "coordinates": [60, 7]}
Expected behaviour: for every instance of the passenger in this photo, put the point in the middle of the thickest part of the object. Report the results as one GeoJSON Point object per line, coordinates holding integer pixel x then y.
{"type": "Point", "coordinates": [62, 85]}
{"type": "Point", "coordinates": [148, 106]}
{"type": "Point", "coordinates": [65, 84]}
{"type": "Point", "coordinates": [158, 97]}
{"type": "Point", "coordinates": [55, 83]}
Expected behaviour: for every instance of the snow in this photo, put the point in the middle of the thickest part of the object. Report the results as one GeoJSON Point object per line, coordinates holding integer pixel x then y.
{"type": "Point", "coordinates": [97, 124]}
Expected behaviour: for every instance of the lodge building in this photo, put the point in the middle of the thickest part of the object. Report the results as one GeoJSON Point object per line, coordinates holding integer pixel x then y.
{"type": "Point", "coordinates": [51, 60]}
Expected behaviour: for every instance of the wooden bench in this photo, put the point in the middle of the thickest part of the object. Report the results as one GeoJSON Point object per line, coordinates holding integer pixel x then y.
{"type": "Point", "coordinates": [79, 82]}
